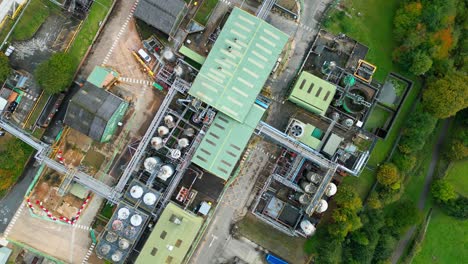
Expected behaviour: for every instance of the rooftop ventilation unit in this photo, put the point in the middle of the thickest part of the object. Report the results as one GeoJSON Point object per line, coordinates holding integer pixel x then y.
{"type": "Point", "coordinates": [297, 129]}
{"type": "Point", "coordinates": [176, 220]}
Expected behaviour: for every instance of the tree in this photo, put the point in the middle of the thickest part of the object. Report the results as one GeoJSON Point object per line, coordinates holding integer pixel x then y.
{"type": "Point", "coordinates": [56, 74]}
{"type": "Point", "coordinates": [348, 198]}
{"type": "Point", "coordinates": [388, 176]}
{"type": "Point", "coordinates": [421, 63]}
{"type": "Point", "coordinates": [446, 96]}
{"type": "Point", "coordinates": [5, 68]}
{"type": "Point", "coordinates": [373, 201]}
{"type": "Point", "coordinates": [401, 216]}
{"type": "Point", "coordinates": [384, 248]}
{"type": "Point", "coordinates": [404, 162]}
{"type": "Point", "coordinates": [443, 191]}
{"type": "Point", "coordinates": [457, 150]}
{"type": "Point", "coordinates": [418, 127]}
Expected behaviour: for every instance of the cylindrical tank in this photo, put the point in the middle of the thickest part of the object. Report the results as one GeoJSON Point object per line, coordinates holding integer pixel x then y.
{"type": "Point", "coordinates": [123, 213]}
{"type": "Point", "coordinates": [331, 189]}
{"type": "Point", "coordinates": [105, 249]}
{"type": "Point", "coordinates": [307, 227]}
{"type": "Point", "coordinates": [151, 164]}
{"type": "Point", "coordinates": [189, 132]}
{"type": "Point", "coordinates": [162, 131]}
{"type": "Point", "coordinates": [183, 142]}
{"type": "Point", "coordinates": [136, 192]}
{"type": "Point", "coordinates": [348, 122]}
{"type": "Point", "coordinates": [117, 225]}
{"type": "Point", "coordinates": [149, 199]}
{"type": "Point", "coordinates": [313, 177]}
{"type": "Point", "coordinates": [157, 143]}
{"type": "Point", "coordinates": [123, 243]}
{"type": "Point", "coordinates": [168, 55]}
{"type": "Point", "coordinates": [166, 172]}
{"type": "Point", "coordinates": [176, 153]}
{"type": "Point", "coordinates": [111, 237]}
{"type": "Point", "coordinates": [169, 121]}
{"type": "Point", "coordinates": [322, 206]}
{"type": "Point", "coordinates": [136, 220]}
{"type": "Point", "coordinates": [304, 199]}
{"type": "Point", "coordinates": [117, 256]}
{"type": "Point", "coordinates": [309, 187]}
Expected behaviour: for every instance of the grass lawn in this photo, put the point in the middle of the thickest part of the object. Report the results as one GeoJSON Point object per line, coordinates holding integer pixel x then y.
{"type": "Point", "coordinates": [288, 248]}
{"type": "Point", "coordinates": [457, 174]}
{"type": "Point", "coordinates": [6, 27]}
{"type": "Point", "coordinates": [89, 29]}
{"type": "Point", "coordinates": [445, 242]}
{"type": "Point", "coordinates": [204, 11]}
{"type": "Point", "coordinates": [34, 15]}
{"type": "Point", "coordinates": [361, 184]}
{"type": "Point", "coordinates": [377, 118]}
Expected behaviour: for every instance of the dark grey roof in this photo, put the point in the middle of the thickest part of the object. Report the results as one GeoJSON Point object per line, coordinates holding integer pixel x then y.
{"type": "Point", "coordinates": [90, 109]}
{"type": "Point", "coordinates": [161, 14]}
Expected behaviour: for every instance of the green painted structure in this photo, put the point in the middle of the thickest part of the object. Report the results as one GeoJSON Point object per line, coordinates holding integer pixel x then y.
{"type": "Point", "coordinates": [102, 77]}
{"type": "Point", "coordinates": [184, 50]}
{"type": "Point", "coordinates": [312, 93]}
{"type": "Point", "coordinates": [312, 136]}
{"type": "Point", "coordinates": [239, 64]}
{"type": "Point", "coordinates": [171, 237]}
{"type": "Point", "coordinates": [225, 141]}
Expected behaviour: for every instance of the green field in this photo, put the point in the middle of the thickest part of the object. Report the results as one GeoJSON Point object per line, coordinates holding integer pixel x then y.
{"type": "Point", "coordinates": [34, 16]}
{"type": "Point", "coordinates": [445, 242]}
{"type": "Point", "coordinates": [361, 184]}
{"type": "Point", "coordinates": [204, 11]}
{"type": "Point", "coordinates": [457, 174]}
{"type": "Point", "coordinates": [89, 29]}
{"type": "Point", "coordinates": [377, 118]}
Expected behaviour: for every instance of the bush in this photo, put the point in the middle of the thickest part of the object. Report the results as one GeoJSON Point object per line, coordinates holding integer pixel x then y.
{"type": "Point", "coordinates": [388, 176]}
{"type": "Point", "coordinates": [402, 215]}
{"type": "Point", "coordinates": [5, 68]}
{"type": "Point", "coordinates": [418, 127]}
{"type": "Point", "coordinates": [404, 162]}
{"type": "Point", "coordinates": [457, 207]}
{"type": "Point", "coordinates": [443, 191]}
{"type": "Point", "coordinates": [56, 74]}
{"type": "Point", "coordinates": [348, 198]}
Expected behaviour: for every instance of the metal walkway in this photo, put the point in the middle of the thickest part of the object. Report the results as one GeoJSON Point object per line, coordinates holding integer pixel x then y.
{"type": "Point", "coordinates": [86, 180]}
{"type": "Point", "coordinates": [265, 9]}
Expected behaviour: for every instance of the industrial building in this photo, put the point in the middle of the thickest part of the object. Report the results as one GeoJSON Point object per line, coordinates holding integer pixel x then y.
{"type": "Point", "coordinates": [163, 15]}
{"type": "Point", "coordinates": [103, 77]}
{"type": "Point", "coordinates": [172, 236]}
{"type": "Point", "coordinates": [95, 112]}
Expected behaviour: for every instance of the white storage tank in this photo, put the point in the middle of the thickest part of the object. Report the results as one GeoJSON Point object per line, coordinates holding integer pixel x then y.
{"type": "Point", "coordinates": [314, 177]}
{"type": "Point", "coordinates": [304, 199]}
{"type": "Point", "coordinates": [117, 256]}
{"type": "Point", "coordinates": [168, 55]}
{"type": "Point", "coordinates": [176, 153]}
{"type": "Point", "coordinates": [123, 243]}
{"type": "Point", "coordinates": [136, 220]}
{"type": "Point", "coordinates": [308, 187]}
{"type": "Point", "coordinates": [322, 206]}
{"type": "Point", "coordinates": [162, 131]}
{"type": "Point", "coordinates": [123, 213]}
{"type": "Point", "coordinates": [307, 227]}
{"type": "Point", "coordinates": [169, 121]}
{"type": "Point", "coordinates": [331, 189]}
{"type": "Point", "coordinates": [151, 164]}
{"type": "Point", "coordinates": [189, 132]}
{"type": "Point", "coordinates": [149, 199]}
{"type": "Point", "coordinates": [136, 192]}
{"type": "Point", "coordinates": [105, 249]}
{"type": "Point", "coordinates": [166, 172]}
{"type": "Point", "coordinates": [183, 142]}
{"type": "Point", "coordinates": [157, 143]}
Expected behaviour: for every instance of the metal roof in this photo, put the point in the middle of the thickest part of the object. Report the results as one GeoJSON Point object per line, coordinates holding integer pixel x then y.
{"type": "Point", "coordinates": [225, 141]}
{"type": "Point", "coordinates": [332, 144]}
{"type": "Point", "coordinates": [101, 76]}
{"type": "Point", "coordinates": [308, 137]}
{"type": "Point", "coordinates": [161, 14]}
{"type": "Point", "coordinates": [238, 64]}
{"type": "Point", "coordinates": [90, 110]}
{"type": "Point", "coordinates": [312, 93]}
{"type": "Point", "coordinates": [184, 50]}
{"type": "Point", "coordinates": [169, 242]}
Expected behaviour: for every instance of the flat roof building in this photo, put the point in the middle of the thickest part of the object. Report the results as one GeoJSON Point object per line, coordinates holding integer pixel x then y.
{"type": "Point", "coordinates": [172, 236]}
{"type": "Point", "coordinates": [95, 112]}
{"type": "Point", "coordinates": [163, 15]}
{"type": "Point", "coordinates": [312, 93]}
{"type": "Point", "coordinates": [239, 64]}
{"type": "Point", "coordinates": [102, 77]}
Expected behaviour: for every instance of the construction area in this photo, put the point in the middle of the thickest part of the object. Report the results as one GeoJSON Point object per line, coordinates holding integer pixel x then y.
{"type": "Point", "coordinates": [160, 132]}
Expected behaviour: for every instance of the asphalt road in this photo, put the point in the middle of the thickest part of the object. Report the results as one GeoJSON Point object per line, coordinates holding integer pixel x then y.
{"type": "Point", "coordinates": [11, 202]}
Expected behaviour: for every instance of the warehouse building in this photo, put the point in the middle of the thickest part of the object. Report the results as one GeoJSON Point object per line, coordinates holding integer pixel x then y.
{"type": "Point", "coordinates": [163, 15]}
{"type": "Point", "coordinates": [95, 112]}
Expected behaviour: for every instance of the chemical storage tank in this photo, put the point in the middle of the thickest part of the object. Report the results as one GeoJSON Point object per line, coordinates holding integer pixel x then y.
{"type": "Point", "coordinates": [117, 225]}
{"type": "Point", "coordinates": [149, 199]}
{"type": "Point", "coordinates": [162, 131]}
{"type": "Point", "coordinates": [157, 143]}
{"type": "Point", "coordinates": [117, 256]}
{"type": "Point", "coordinates": [308, 187]}
{"type": "Point", "coordinates": [105, 249]}
{"type": "Point", "coordinates": [331, 189]}
{"type": "Point", "coordinates": [307, 227]}
{"type": "Point", "coordinates": [123, 213]}
{"type": "Point", "coordinates": [123, 243]}
{"type": "Point", "coordinates": [168, 55]}
{"type": "Point", "coordinates": [111, 237]}
{"type": "Point", "coordinates": [169, 121]}
{"type": "Point", "coordinates": [136, 192]}
{"type": "Point", "coordinates": [176, 153]}
{"type": "Point", "coordinates": [136, 220]}
{"type": "Point", "coordinates": [304, 199]}
{"type": "Point", "coordinates": [322, 206]}
{"type": "Point", "coordinates": [183, 142]}
{"type": "Point", "coordinates": [166, 172]}
{"type": "Point", "coordinates": [189, 132]}
{"type": "Point", "coordinates": [151, 164]}
{"type": "Point", "coordinates": [314, 177]}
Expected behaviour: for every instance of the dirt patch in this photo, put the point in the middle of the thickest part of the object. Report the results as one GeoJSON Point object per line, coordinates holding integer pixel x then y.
{"type": "Point", "coordinates": [93, 159]}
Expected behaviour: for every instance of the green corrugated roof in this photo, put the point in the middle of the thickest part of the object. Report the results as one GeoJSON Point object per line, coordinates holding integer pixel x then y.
{"type": "Point", "coordinates": [100, 76]}
{"type": "Point", "coordinates": [186, 232]}
{"type": "Point", "coordinates": [308, 137]}
{"type": "Point", "coordinates": [225, 141]}
{"type": "Point", "coordinates": [192, 55]}
{"type": "Point", "coordinates": [238, 64]}
{"type": "Point", "coordinates": [312, 93]}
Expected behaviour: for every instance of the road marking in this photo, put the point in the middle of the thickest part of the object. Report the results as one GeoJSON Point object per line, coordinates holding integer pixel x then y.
{"type": "Point", "coordinates": [13, 220]}
{"type": "Point", "coordinates": [88, 254]}
{"type": "Point", "coordinates": [212, 240]}
{"type": "Point", "coordinates": [135, 81]}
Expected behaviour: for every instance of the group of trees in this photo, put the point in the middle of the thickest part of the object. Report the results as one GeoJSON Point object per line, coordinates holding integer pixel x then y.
{"type": "Point", "coordinates": [5, 68]}
{"type": "Point", "coordinates": [15, 152]}
{"type": "Point", "coordinates": [56, 74]}
{"type": "Point", "coordinates": [452, 203]}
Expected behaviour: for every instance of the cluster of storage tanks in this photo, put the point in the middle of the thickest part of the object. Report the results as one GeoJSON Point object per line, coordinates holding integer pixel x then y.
{"type": "Point", "coordinates": [155, 165]}
{"type": "Point", "coordinates": [137, 192]}
{"type": "Point", "coordinates": [163, 132]}
{"type": "Point", "coordinates": [310, 186]}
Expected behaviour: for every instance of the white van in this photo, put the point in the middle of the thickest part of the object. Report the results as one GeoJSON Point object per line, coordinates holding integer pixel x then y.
{"type": "Point", "coordinates": [144, 55]}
